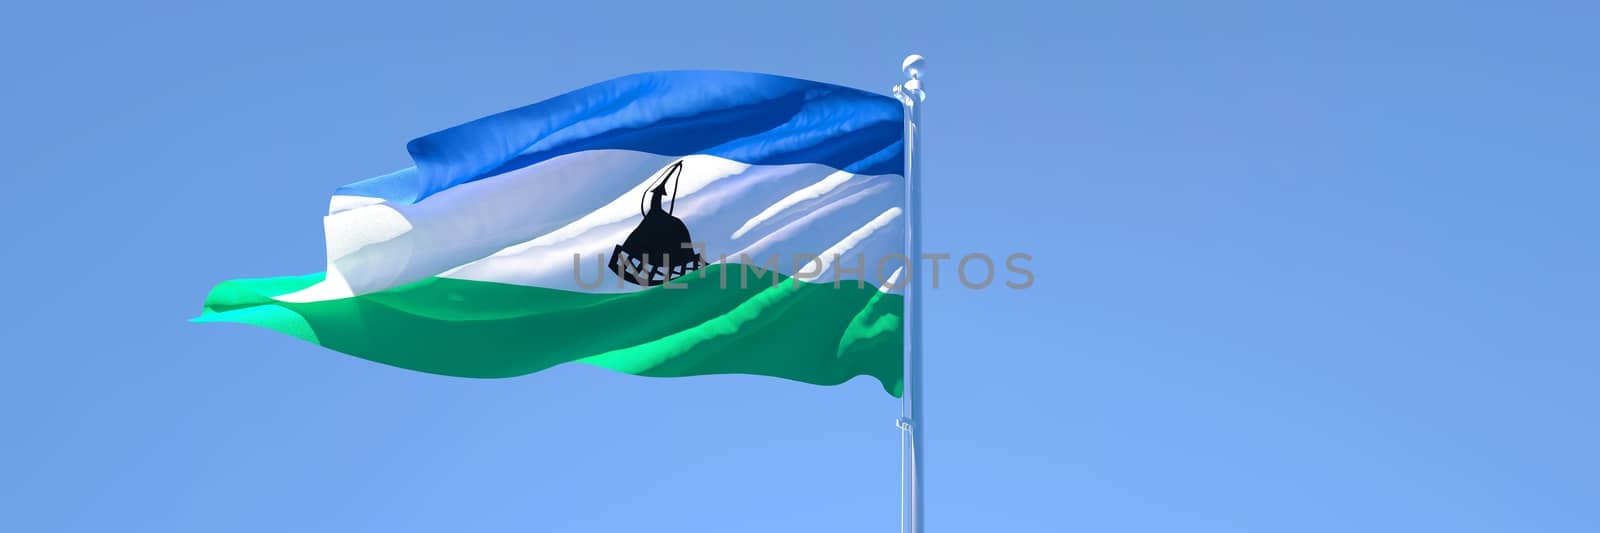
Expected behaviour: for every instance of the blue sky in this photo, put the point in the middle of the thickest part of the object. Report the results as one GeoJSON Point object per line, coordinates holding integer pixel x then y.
{"type": "Point", "coordinates": [1300, 268]}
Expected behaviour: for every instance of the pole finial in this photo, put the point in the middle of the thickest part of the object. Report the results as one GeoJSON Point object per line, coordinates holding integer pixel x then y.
{"type": "Point", "coordinates": [913, 66]}
{"type": "Point", "coordinates": [911, 91]}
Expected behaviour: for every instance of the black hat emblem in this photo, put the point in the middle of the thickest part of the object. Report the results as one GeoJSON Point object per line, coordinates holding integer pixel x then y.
{"type": "Point", "coordinates": [656, 251]}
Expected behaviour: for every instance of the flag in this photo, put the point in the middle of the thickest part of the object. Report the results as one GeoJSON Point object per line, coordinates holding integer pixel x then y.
{"type": "Point", "coordinates": [659, 224]}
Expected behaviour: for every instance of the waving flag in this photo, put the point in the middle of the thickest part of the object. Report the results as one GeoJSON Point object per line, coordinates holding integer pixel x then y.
{"type": "Point", "coordinates": [659, 224]}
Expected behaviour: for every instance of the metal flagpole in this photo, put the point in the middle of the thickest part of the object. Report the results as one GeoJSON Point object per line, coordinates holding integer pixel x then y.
{"type": "Point", "coordinates": [911, 420]}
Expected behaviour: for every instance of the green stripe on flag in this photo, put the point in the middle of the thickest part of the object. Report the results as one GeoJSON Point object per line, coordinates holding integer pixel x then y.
{"type": "Point", "coordinates": [814, 333]}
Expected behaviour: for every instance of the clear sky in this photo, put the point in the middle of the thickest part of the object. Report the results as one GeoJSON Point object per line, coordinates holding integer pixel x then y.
{"type": "Point", "coordinates": [1315, 268]}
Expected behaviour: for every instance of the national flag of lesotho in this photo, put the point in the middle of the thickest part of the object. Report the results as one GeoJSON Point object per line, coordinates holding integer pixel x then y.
{"type": "Point", "coordinates": [660, 224]}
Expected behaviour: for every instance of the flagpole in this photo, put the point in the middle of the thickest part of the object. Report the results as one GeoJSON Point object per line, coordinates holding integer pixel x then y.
{"type": "Point", "coordinates": [912, 420]}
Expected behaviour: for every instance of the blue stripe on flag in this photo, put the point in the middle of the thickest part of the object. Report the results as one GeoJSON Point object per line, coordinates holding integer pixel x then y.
{"type": "Point", "coordinates": [747, 117]}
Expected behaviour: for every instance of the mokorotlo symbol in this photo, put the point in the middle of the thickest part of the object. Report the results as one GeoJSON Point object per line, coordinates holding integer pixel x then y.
{"type": "Point", "coordinates": [655, 252]}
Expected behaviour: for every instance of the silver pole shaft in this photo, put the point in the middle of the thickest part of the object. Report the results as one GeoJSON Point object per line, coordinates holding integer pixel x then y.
{"type": "Point", "coordinates": [912, 418]}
